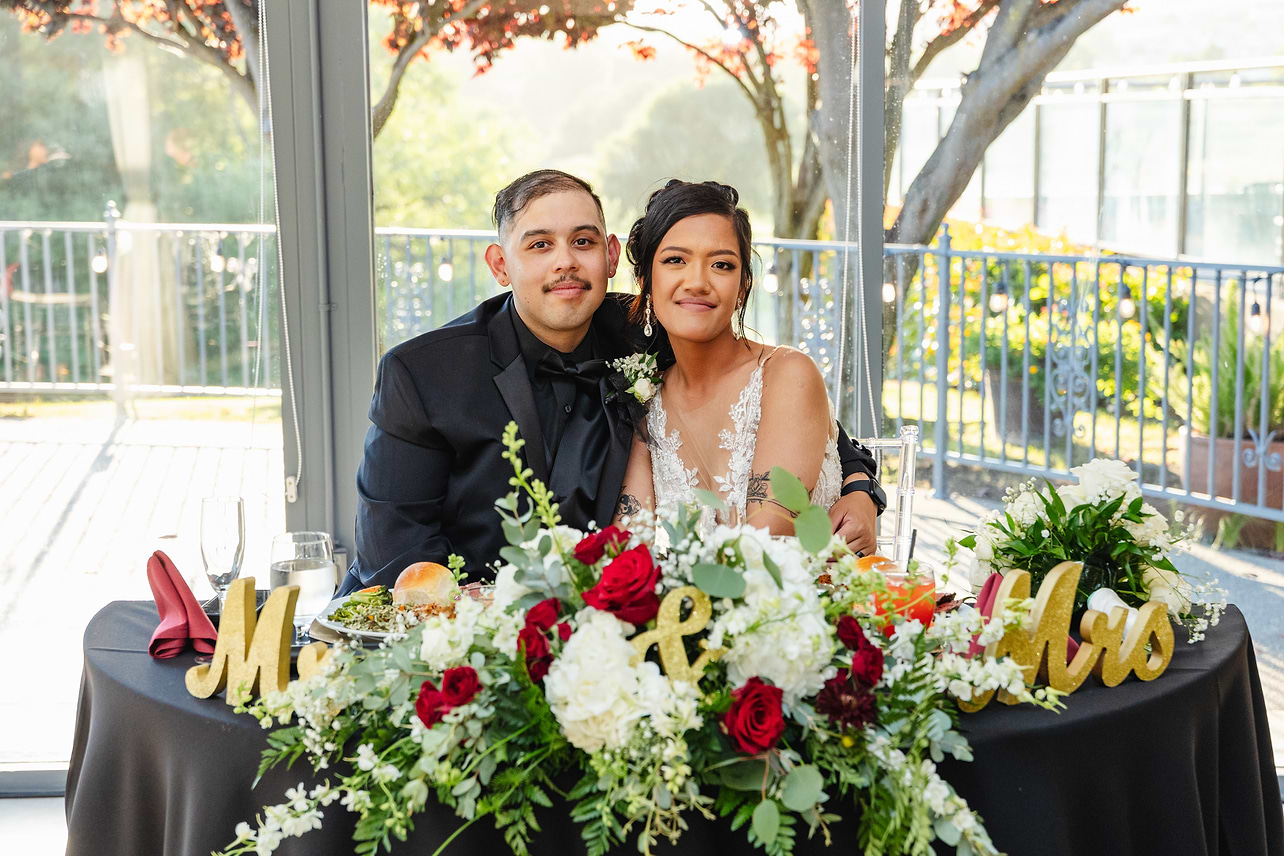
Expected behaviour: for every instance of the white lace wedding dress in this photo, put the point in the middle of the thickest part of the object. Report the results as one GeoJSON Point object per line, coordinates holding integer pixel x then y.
{"type": "Point", "coordinates": [675, 482]}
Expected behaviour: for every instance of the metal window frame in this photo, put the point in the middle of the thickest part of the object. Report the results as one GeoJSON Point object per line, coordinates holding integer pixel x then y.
{"type": "Point", "coordinates": [320, 94]}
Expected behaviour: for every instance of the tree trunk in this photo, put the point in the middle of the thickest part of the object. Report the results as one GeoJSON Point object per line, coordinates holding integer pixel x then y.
{"type": "Point", "coordinates": [1026, 41]}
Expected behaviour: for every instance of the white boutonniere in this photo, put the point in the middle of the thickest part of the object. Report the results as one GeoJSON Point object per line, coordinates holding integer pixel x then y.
{"type": "Point", "coordinates": [642, 373]}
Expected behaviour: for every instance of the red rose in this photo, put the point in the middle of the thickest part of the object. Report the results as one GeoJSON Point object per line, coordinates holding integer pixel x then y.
{"type": "Point", "coordinates": [867, 665]}
{"type": "Point", "coordinates": [848, 705]}
{"type": "Point", "coordinates": [431, 704]}
{"type": "Point", "coordinates": [627, 587]}
{"type": "Point", "coordinates": [460, 685]}
{"type": "Point", "coordinates": [544, 614]}
{"type": "Point", "coordinates": [851, 634]}
{"type": "Point", "coordinates": [593, 547]}
{"type": "Point", "coordinates": [538, 659]}
{"type": "Point", "coordinates": [564, 631]}
{"type": "Point", "coordinates": [754, 721]}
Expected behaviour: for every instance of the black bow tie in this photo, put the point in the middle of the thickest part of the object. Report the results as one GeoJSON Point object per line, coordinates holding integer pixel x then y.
{"type": "Point", "coordinates": [552, 366]}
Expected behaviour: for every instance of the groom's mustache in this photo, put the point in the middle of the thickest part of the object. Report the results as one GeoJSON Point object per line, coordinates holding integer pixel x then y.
{"type": "Point", "coordinates": [582, 283]}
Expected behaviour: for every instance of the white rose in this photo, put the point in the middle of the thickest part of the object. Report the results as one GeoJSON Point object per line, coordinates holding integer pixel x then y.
{"type": "Point", "coordinates": [1103, 480]}
{"type": "Point", "coordinates": [1072, 496]}
{"type": "Point", "coordinates": [1169, 588]}
{"type": "Point", "coordinates": [644, 389]}
{"type": "Point", "coordinates": [984, 548]}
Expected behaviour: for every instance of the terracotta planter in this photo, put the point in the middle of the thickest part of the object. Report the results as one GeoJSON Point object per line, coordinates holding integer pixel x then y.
{"type": "Point", "coordinates": [1257, 533]}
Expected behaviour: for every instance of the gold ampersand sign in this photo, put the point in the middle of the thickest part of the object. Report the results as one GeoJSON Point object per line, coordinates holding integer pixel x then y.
{"type": "Point", "coordinates": [1104, 652]}
{"type": "Point", "coordinates": [670, 627]}
{"type": "Point", "coordinates": [253, 652]}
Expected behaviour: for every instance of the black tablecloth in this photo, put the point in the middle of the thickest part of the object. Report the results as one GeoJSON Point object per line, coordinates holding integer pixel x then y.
{"type": "Point", "coordinates": [1182, 765]}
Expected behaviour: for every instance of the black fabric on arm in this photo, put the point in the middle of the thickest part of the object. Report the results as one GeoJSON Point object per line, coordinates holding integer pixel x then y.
{"type": "Point", "coordinates": [854, 456]}
{"type": "Point", "coordinates": [401, 484]}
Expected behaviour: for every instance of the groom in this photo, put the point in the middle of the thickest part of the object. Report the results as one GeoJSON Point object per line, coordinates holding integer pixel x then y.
{"type": "Point", "coordinates": [432, 468]}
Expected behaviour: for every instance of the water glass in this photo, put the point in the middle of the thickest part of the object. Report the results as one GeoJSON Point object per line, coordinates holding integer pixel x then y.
{"type": "Point", "coordinates": [306, 560]}
{"type": "Point", "coordinates": [222, 541]}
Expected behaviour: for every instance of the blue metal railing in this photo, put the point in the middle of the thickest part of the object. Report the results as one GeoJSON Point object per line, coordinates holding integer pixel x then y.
{"type": "Point", "coordinates": [1022, 363]}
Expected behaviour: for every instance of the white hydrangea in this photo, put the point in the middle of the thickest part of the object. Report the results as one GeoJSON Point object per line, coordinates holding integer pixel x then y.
{"type": "Point", "coordinates": [592, 690]}
{"type": "Point", "coordinates": [1026, 507]}
{"type": "Point", "coordinates": [446, 640]}
{"type": "Point", "coordinates": [778, 633]}
{"type": "Point", "coordinates": [1152, 531]}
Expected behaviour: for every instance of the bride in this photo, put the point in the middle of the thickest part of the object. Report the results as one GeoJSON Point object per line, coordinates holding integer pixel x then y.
{"type": "Point", "coordinates": [729, 408]}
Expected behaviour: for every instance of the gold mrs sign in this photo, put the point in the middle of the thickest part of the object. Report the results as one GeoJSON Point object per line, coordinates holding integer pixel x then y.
{"type": "Point", "coordinates": [253, 652]}
{"type": "Point", "coordinates": [1105, 652]}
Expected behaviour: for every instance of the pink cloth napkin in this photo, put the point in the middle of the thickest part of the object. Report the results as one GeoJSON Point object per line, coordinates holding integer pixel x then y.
{"type": "Point", "coordinates": [985, 603]}
{"type": "Point", "coordinates": [181, 617]}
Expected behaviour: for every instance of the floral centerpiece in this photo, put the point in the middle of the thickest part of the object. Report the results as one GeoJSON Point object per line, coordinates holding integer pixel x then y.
{"type": "Point", "coordinates": [781, 705]}
{"type": "Point", "coordinates": [1124, 543]}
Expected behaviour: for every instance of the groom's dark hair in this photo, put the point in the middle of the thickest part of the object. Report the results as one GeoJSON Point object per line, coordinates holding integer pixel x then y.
{"type": "Point", "coordinates": [510, 201]}
{"type": "Point", "coordinates": [678, 200]}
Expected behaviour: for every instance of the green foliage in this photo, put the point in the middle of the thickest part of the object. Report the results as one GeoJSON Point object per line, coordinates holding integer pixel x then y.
{"type": "Point", "coordinates": [1193, 393]}
{"type": "Point", "coordinates": [1095, 535]}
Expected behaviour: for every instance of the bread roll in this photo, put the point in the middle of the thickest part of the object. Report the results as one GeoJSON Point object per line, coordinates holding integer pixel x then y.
{"type": "Point", "coordinates": [425, 583]}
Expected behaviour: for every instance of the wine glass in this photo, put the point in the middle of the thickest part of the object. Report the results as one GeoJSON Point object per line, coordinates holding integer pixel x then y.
{"type": "Point", "coordinates": [222, 542]}
{"type": "Point", "coordinates": [306, 560]}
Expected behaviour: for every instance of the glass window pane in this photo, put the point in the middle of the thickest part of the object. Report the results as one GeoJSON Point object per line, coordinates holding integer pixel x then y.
{"type": "Point", "coordinates": [1235, 182]}
{"type": "Point", "coordinates": [1068, 169]}
{"type": "Point", "coordinates": [1009, 174]}
{"type": "Point", "coordinates": [1143, 145]}
{"type": "Point", "coordinates": [138, 341]}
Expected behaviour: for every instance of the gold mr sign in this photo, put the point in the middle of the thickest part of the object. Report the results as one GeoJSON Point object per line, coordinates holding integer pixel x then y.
{"type": "Point", "coordinates": [1105, 651]}
{"type": "Point", "coordinates": [252, 654]}
{"type": "Point", "coordinates": [670, 627]}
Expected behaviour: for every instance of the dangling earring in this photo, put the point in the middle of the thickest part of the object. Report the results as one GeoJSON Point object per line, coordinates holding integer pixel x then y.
{"type": "Point", "coordinates": [646, 328]}
{"type": "Point", "coordinates": [736, 317]}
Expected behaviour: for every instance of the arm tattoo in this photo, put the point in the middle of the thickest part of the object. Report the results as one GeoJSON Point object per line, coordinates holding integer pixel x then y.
{"type": "Point", "coordinates": [627, 505]}
{"type": "Point", "coordinates": [757, 491]}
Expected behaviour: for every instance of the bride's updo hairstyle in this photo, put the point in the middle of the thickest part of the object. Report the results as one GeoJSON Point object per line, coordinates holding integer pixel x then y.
{"type": "Point", "coordinates": [676, 201]}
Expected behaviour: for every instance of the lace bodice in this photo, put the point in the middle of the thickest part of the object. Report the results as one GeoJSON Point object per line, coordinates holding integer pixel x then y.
{"type": "Point", "coordinates": [675, 482]}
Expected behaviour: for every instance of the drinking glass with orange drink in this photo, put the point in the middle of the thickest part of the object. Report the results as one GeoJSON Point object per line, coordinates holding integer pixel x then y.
{"type": "Point", "coordinates": [911, 589]}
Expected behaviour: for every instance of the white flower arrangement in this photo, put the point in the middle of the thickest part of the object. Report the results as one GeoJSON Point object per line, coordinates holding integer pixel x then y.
{"type": "Point", "coordinates": [808, 702]}
{"type": "Point", "coordinates": [643, 374]}
{"type": "Point", "coordinates": [1125, 543]}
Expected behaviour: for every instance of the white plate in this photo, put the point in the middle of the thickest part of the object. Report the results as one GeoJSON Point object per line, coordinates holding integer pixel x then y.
{"type": "Point", "coordinates": [365, 635]}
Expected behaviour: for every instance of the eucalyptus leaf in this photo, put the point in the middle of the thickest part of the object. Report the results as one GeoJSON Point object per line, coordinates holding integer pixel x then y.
{"type": "Point", "coordinates": [530, 530]}
{"type": "Point", "coordinates": [802, 788]}
{"type": "Point", "coordinates": [813, 529]}
{"type": "Point", "coordinates": [401, 657]}
{"type": "Point", "coordinates": [747, 775]}
{"type": "Point", "coordinates": [773, 569]}
{"type": "Point", "coordinates": [516, 557]}
{"type": "Point", "coordinates": [400, 693]}
{"type": "Point", "coordinates": [487, 769]}
{"type": "Point", "coordinates": [718, 580]}
{"type": "Point", "coordinates": [545, 545]}
{"type": "Point", "coordinates": [788, 490]}
{"type": "Point", "coordinates": [709, 498]}
{"type": "Point", "coordinates": [464, 787]}
{"type": "Point", "coordinates": [512, 533]}
{"type": "Point", "coordinates": [766, 822]}
{"type": "Point", "coordinates": [946, 831]}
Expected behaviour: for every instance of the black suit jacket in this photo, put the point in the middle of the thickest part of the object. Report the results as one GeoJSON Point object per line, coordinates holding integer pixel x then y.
{"type": "Point", "coordinates": [432, 468]}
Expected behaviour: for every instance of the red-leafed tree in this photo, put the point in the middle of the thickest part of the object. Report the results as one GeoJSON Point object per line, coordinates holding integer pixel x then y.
{"type": "Point", "coordinates": [225, 33]}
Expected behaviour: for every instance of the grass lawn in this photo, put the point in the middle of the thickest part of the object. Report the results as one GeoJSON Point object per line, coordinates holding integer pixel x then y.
{"type": "Point", "coordinates": [200, 408]}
